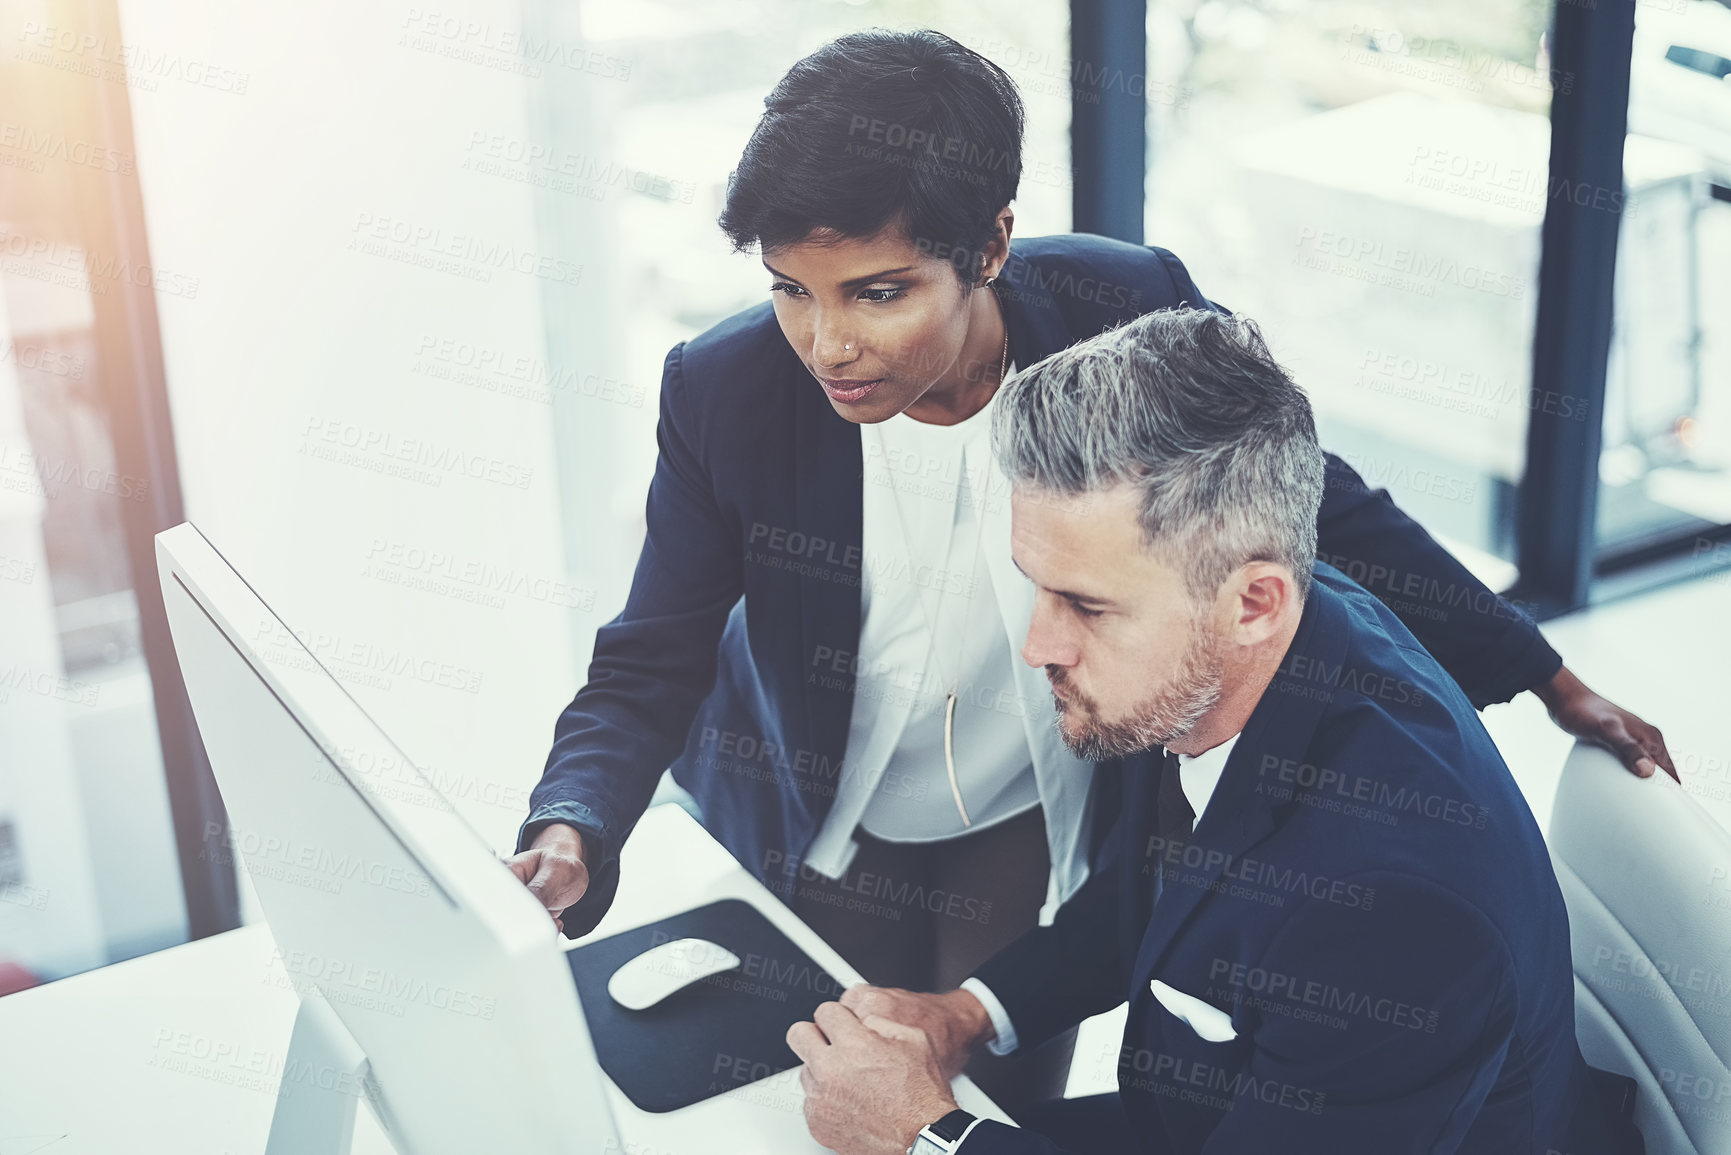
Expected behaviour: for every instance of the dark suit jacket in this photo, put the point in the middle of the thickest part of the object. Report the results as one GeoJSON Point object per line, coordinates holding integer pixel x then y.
{"type": "Point", "coordinates": [1368, 897]}
{"type": "Point", "coordinates": [746, 598]}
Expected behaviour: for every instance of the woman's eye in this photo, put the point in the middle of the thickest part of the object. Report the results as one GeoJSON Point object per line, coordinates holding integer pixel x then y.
{"type": "Point", "coordinates": [784, 287]}
{"type": "Point", "coordinates": [1085, 612]}
{"type": "Point", "coordinates": [879, 296]}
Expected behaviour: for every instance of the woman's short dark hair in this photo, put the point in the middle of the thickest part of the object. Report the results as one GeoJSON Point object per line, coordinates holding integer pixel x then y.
{"type": "Point", "coordinates": [881, 127]}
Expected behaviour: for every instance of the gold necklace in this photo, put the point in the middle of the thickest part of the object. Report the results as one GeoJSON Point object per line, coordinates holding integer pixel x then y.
{"type": "Point", "coordinates": [931, 623]}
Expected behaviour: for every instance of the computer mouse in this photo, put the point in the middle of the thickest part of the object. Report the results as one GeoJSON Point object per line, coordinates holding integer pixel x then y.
{"type": "Point", "coordinates": [662, 970]}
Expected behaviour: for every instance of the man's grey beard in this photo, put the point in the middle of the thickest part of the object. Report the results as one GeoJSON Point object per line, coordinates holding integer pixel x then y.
{"type": "Point", "coordinates": [1160, 721]}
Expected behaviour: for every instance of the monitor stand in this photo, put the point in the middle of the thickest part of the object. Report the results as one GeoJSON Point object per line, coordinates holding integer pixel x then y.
{"type": "Point", "coordinates": [324, 1076]}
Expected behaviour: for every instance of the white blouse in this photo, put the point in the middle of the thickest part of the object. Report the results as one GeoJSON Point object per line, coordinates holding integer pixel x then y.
{"type": "Point", "coordinates": [935, 554]}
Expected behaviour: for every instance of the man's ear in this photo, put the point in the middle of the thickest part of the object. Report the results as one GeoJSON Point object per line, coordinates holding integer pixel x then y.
{"type": "Point", "coordinates": [1263, 592]}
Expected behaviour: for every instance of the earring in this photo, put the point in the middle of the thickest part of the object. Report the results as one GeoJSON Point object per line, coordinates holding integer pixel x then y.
{"type": "Point", "coordinates": [990, 279]}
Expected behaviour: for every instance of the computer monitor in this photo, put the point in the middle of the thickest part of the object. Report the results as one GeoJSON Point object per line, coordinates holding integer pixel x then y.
{"type": "Point", "coordinates": [433, 987]}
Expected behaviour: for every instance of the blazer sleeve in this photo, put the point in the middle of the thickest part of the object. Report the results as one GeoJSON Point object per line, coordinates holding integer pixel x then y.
{"type": "Point", "coordinates": [1055, 976]}
{"type": "Point", "coordinates": [994, 1138]}
{"type": "Point", "coordinates": [1490, 648]}
{"type": "Point", "coordinates": [652, 665]}
{"type": "Point", "coordinates": [1426, 1019]}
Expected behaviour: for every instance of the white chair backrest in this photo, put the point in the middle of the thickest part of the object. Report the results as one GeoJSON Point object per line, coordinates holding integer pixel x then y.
{"type": "Point", "coordinates": [1646, 874]}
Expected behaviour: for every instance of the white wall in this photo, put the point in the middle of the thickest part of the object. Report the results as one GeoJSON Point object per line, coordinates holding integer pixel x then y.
{"type": "Point", "coordinates": [305, 184]}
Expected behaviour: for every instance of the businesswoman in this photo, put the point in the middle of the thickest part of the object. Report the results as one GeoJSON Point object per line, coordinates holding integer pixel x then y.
{"type": "Point", "coordinates": [821, 637]}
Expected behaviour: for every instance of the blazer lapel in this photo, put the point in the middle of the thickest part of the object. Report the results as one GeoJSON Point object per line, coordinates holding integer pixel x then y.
{"type": "Point", "coordinates": [828, 493]}
{"type": "Point", "coordinates": [1237, 817]}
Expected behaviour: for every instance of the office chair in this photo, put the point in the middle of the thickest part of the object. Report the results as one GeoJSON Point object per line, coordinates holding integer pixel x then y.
{"type": "Point", "coordinates": [1646, 875]}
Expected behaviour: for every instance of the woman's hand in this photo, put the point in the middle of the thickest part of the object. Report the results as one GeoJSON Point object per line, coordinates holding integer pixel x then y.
{"type": "Point", "coordinates": [555, 868]}
{"type": "Point", "coordinates": [1592, 718]}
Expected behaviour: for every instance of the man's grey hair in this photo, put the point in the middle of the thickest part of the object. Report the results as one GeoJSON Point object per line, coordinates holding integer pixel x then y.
{"type": "Point", "coordinates": [1189, 406]}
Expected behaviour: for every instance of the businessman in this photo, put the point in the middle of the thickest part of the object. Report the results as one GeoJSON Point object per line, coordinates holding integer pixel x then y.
{"type": "Point", "coordinates": [1327, 904]}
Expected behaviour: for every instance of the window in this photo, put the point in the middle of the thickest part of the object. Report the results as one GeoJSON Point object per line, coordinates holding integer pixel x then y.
{"type": "Point", "coordinates": [1368, 182]}
{"type": "Point", "coordinates": [700, 75]}
{"type": "Point", "coordinates": [1665, 465]}
{"type": "Point", "coordinates": [88, 856]}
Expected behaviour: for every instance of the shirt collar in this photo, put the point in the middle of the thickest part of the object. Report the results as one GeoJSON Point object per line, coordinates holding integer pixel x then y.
{"type": "Point", "coordinates": [1199, 775]}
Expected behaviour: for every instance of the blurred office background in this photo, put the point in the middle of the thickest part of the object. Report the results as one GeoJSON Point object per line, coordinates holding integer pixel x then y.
{"type": "Point", "coordinates": [378, 295]}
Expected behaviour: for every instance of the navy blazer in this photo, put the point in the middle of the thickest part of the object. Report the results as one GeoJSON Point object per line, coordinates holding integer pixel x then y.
{"type": "Point", "coordinates": [1366, 895]}
{"type": "Point", "coordinates": [728, 661]}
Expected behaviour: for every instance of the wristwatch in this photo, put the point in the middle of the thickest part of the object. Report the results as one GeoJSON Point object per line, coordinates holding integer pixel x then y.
{"type": "Point", "coordinates": [944, 1136]}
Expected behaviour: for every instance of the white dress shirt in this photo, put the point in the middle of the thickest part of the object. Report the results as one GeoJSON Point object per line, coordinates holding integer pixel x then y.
{"type": "Point", "coordinates": [1198, 776]}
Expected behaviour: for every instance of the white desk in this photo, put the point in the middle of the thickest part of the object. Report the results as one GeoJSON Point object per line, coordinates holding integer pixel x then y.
{"type": "Point", "coordinates": [180, 1052]}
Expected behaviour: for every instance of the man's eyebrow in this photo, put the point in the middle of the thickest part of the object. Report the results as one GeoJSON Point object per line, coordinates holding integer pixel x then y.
{"type": "Point", "coordinates": [1069, 595]}
{"type": "Point", "coordinates": [848, 284]}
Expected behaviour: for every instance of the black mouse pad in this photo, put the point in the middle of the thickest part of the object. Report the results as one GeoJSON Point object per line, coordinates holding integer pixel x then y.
{"type": "Point", "coordinates": [719, 1033]}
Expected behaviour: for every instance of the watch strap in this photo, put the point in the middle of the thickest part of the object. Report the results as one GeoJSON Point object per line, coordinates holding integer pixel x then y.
{"type": "Point", "coordinates": [950, 1128]}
